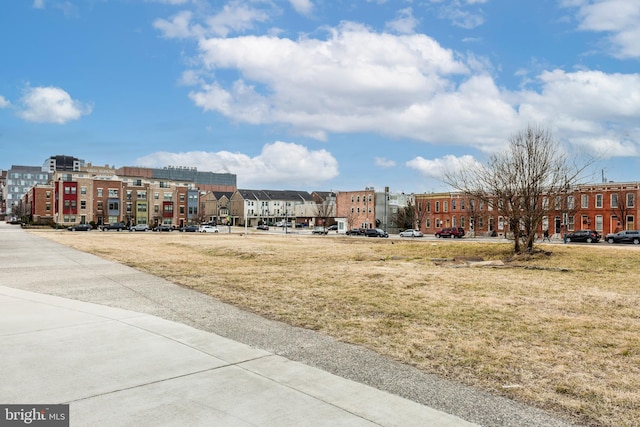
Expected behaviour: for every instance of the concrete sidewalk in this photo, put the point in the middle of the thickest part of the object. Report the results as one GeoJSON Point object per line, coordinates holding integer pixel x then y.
{"type": "Point", "coordinates": [123, 347]}
{"type": "Point", "coordinates": [116, 367]}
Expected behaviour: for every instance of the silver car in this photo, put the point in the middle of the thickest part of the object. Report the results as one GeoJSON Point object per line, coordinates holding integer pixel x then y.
{"type": "Point", "coordinates": [411, 233]}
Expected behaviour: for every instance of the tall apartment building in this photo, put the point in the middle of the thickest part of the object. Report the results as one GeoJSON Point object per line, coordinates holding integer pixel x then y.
{"type": "Point", "coordinates": [19, 180]}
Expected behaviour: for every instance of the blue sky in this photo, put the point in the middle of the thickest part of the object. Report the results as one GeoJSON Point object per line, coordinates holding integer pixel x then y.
{"type": "Point", "coordinates": [318, 94]}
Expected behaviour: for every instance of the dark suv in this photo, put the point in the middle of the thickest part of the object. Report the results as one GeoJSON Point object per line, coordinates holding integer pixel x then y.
{"type": "Point", "coordinates": [375, 232]}
{"type": "Point", "coordinates": [118, 226]}
{"type": "Point", "coordinates": [628, 236]}
{"type": "Point", "coordinates": [589, 236]}
{"type": "Point", "coordinates": [450, 232]}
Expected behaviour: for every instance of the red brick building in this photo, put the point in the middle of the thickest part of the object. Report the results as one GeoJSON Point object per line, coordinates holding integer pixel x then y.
{"type": "Point", "coordinates": [606, 208]}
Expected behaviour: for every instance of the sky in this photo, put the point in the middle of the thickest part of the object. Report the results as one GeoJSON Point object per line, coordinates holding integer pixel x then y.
{"type": "Point", "coordinates": [319, 94]}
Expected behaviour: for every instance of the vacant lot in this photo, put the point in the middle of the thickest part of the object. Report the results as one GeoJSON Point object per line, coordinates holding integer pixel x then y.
{"type": "Point", "coordinates": [558, 330]}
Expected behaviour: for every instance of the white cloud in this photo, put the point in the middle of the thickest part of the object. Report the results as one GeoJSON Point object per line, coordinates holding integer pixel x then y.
{"type": "Point", "coordinates": [405, 86]}
{"type": "Point", "coordinates": [437, 168]}
{"type": "Point", "coordinates": [460, 16]}
{"type": "Point", "coordinates": [592, 110]}
{"type": "Point", "coordinates": [404, 23]}
{"type": "Point", "coordinates": [303, 7]}
{"type": "Point", "coordinates": [384, 163]}
{"type": "Point", "coordinates": [38, 4]}
{"type": "Point", "coordinates": [618, 18]}
{"type": "Point", "coordinates": [4, 103]}
{"type": "Point", "coordinates": [280, 164]}
{"type": "Point", "coordinates": [178, 27]}
{"type": "Point", "coordinates": [234, 17]}
{"type": "Point", "coordinates": [51, 105]}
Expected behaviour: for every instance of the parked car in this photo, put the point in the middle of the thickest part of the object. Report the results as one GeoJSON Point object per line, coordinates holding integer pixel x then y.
{"type": "Point", "coordinates": [80, 227]}
{"type": "Point", "coordinates": [355, 232]}
{"type": "Point", "coordinates": [139, 227]}
{"type": "Point", "coordinates": [320, 230]}
{"type": "Point", "coordinates": [589, 236]}
{"type": "Point", "coordinates": [118, 226]}
{"type": "Point", "coordinates": [190, 229]}
{"type": "Point", "coordinates": [627, 236]}
{"type": "Point", "coordinates": [450, 232]}
{"type": "Point", "coordinates": [163, 227]}
{"type": "Point", "coordinates": [283, 224]}
{"type": "Point", "coordinates": [208, 229]}
{"type": "Point", "coordinates": [333, 227]}
{"type": "Point", "coordinates": [411, 233]}
{"type": "Point", "coordinates": [376, 232]}
{"type": "Point", "coordinates": [262, 227]}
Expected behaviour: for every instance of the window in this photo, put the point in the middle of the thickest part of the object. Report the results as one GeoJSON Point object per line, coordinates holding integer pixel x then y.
{"type": "Point", "coordinates": [83, 204]}
{"type": "Point", "coordinates": [571, 222]}
{"type": "Point", "coordinates": [182, 198]}
{"type": "Point", "coordinates": [83, 190]}
{"type": "Point", "coordinates": [481, 222]}
{"type": "Point", "coordinates": [48, 194]}
{"type": "Point", "coordinates": [156, 209]}
{"type": "Point", "coordinates": [462, 204]}
{"type": "Point", "coordinates": [571, 203]}
{"type": "Point", "coordinates": [598, 200]}
{"type": "Point", "coordinates": [614, 200]}
{"type": "Point", "coordinates": [545, 203]}
{"type": "Point", "coordinates": [453, 221]}
{"type": "Point", "coordinates": [114, 206]}
{"type": "Point", "coordinates": [462, 222]}
{"type": "Point", "coordinates": [437, 206]}
{"type": "Point", "coordinates": [584, 201]}
{"type": "Point", "coordinates": [47, 207]}
{"type": "Point", "coordinates": [67, 190]}
{"type": "Point", "coordinates": [99, 192]}
{"type": "Point", "coordinates": [630, 200]}
{"type": "Point", "coordinates": [156, 195]}
{"type": "Point", "coordinates": [598, 222]}
{"type": "Point", "coordinates": [99, 205]}
{"type": "Point", "coordinates": [182, 210]}
{"type": "Point", "coordinates": [129, 207]}
{"type": "Point", "coordinates": [168, 196]}
{"type": "Point", "coordinates": [113, 192]}
{"type": "Point", "coordinates": [453, 204]}
{"type": "Point", "coordinates": [557, 203]}
{"type": "Point", "coordinates": [428, 223]}
{"type": "Point", "coordinates": [141, 194]}
{"type": "Point", "coordinates": [428, 206]}
{"type": "Point", "coordinates": [445, 206]}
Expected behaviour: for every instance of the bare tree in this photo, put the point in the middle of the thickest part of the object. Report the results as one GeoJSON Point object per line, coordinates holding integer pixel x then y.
{"type": "Point", "coordinates": [530, 169]}
{"type": "Point", "coordinates": [324, 211]}
{"type": "Point", "coordinates": [621, 209]}
{"type": "Point", "coordinates": [406, 217]}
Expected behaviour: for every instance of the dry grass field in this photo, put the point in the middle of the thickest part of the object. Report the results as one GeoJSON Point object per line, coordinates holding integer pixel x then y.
{"type": "Point", "coordinates": [558, 330]}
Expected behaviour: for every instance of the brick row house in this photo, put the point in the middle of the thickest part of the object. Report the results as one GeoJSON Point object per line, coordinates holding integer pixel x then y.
{"type": "Point", "coordinates": [606, 208]}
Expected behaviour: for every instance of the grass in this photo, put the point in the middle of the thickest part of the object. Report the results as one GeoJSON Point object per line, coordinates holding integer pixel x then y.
{"type": "Point", "coordinates": [558, 329]}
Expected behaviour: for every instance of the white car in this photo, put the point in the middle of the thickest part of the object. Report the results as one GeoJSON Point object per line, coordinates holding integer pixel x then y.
{"type": "Point", "coordinates": [139, 227]}
{"type": "Point", "coordinates": [208, 229]}
{"type": "Point", "coordinates": [411, 233]}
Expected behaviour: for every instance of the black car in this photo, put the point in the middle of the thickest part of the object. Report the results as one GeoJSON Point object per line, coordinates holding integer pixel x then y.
{"type": "Point", "coordinates": [163, 228]}
{"type": "Point", "coordinates": [355, 232]}
{"type": "Point", "coordinates": [80, 227]}
{"type": "Point", "coordinates": [376, 232]}
{"type": "Point", "coordinates": [190, 229]}
{"type": "Point", "coordinates": [263, 227]}
{"type": "Point", "coordinates": [588, 236]}
{"type": "Point", "coordinates": [117, 226]}
{"type": "Point", "coordinates": [627, 236]}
